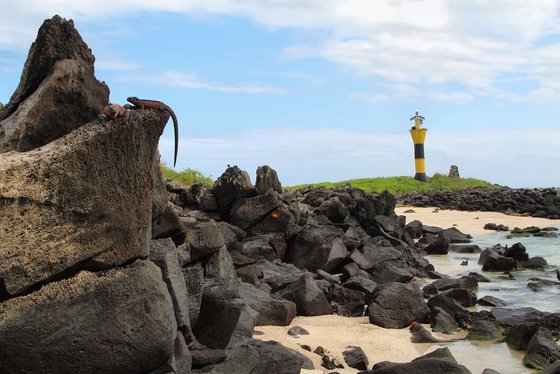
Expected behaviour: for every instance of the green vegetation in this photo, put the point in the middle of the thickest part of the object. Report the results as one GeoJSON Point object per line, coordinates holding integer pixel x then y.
{"type": "Point", "coordinates": [186, 176]}
{"type": "Point", "coordinates": [400, 185]}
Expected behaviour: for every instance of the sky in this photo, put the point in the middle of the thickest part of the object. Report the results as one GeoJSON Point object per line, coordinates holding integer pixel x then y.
{"type": "Point", "coordinates": [322, 90]}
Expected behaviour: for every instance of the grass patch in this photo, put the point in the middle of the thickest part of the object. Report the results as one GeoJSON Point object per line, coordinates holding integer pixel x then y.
{"type": "Point", "coordinates": [401, 185]}
{"type": "Point", "coordinates": [186, 176]}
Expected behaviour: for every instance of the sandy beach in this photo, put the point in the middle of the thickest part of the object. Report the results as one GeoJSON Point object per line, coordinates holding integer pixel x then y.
{"type": "Point", "coordinates": [470, 222]}
{"type": "Point", "coordinates": [335, 333]}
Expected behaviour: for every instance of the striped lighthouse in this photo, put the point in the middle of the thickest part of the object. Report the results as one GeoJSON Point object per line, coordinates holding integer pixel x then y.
{"type": "Point", "coordinates": [418, 136]}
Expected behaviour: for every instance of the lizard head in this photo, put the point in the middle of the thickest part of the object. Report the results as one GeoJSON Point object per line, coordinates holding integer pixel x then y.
{"type": "Point", "coordinates": [132, 98]}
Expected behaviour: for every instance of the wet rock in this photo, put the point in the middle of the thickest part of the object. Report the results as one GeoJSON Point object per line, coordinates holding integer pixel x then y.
{"type": "Point", "coordinates": [450, 306]}
{"type": "Point", "coordinates": [492, 261]}
{"type": "Point", "coordinates": [463, 296]}
{"type": "Point", "coordinates": [442, 322]}
{"type": "Point", "coordinates": [65, 326]}
{"type": "Point", "coordinates": [496, 227]}
{"type": "Point", "coordinates": [517, 251]}
{"type": "Point", "coordinates": [484, 330]}
{"type": "Point", "coordinates": [536, 262]}
{"type": "Point", "coordinates": [439, 247]}
{"type": "Point", "coordinates": [537, 284]}
{"type": "Point", "coordinates": [542, 351]}
{"type": "Point", "coordinates": [456, 236]}
{"type": "Point", "coordinates": [492, 301]}
{"type": "Point", "coordinates": [519, 335]}
{"type": "Point", "coordinates": [396, 305]}
{"type": "Point", "coordinates": [464, 248]}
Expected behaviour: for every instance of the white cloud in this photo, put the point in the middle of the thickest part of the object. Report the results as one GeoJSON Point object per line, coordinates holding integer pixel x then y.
{"type": "Point", "coordinates": [518, 158]}
{"type": "Point", "coordinates": [427, 42]}
{"type": "Point", "coordinates": [191, 81]}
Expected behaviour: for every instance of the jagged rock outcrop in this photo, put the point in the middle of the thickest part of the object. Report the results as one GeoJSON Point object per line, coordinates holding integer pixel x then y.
{"type": "Point", "coordinates": [73, 205]}
{"type": "Point", "coordinates": [59, 69]}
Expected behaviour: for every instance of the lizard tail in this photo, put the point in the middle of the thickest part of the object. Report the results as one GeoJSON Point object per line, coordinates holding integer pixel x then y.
{"type": "Point", "coordinates": [176, 130]}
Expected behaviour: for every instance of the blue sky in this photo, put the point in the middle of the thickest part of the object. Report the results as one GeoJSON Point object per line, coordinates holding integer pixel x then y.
{"type": "Point", "coordinates": [322, 90]}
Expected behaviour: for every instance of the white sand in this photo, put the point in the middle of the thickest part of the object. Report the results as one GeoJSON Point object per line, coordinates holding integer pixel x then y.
{"type": "Point", "coordinates": [471, 222]}
{"type": "Point", "coordinates": [335, 333]}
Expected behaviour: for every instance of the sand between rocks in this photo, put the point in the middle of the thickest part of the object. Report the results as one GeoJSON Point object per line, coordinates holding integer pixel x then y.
{"type": "Point", "coordinates": [335, 333]}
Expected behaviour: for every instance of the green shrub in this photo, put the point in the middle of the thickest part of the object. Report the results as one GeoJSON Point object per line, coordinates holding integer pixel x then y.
{"type": "Point", "coordinates": [401, 185]}
{"type": "Point", "coordinates": [186, 176]}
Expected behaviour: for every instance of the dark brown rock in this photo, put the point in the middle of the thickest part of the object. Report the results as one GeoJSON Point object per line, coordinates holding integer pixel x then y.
{"type": "Point", "coordinates": [57, 40]}
{"type": "Point", "coordinates": [396, 305]}
{"type": "Point", "coordinates": [267, 179]}
{"type": "Point", "coordinates": [118, 321]}
{"type": "Point", "coordinates": [49, 228]}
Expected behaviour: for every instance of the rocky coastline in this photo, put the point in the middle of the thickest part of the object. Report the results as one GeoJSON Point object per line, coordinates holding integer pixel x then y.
{"type": "Point", "coordinates": [536, 202]}
{"type": "Point", "coordinates": [107, 268]}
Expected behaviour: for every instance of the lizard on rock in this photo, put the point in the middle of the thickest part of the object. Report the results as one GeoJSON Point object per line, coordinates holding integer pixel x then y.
{"type": "Point", "coordinates": [113, 111]}
{"type": "Point", "coordinates": [158, 105]}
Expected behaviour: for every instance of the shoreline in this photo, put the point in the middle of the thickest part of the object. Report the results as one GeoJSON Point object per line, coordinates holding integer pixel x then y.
{"type": "Point", "coordinates": [335, 333]}
{"type": "Point", "coordinates": [470, 222]}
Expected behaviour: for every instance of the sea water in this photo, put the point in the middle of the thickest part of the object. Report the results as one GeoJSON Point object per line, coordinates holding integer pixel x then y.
{"type": "Point", "coordinates": [512, 289]}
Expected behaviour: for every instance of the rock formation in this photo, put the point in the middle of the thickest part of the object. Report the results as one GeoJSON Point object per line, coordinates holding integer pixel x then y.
{"type": "Point", "coordinates": [105, 267]}
{"type": "Point", "coordinates": [537, 202]}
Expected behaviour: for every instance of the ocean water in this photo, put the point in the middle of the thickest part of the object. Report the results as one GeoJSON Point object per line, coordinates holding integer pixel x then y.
{"type": "Point", "coordinates": [477, 356]}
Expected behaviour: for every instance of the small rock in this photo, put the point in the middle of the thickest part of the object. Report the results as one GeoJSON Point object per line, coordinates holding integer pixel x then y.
{"type": "Point", "coordinates": [297, 330]}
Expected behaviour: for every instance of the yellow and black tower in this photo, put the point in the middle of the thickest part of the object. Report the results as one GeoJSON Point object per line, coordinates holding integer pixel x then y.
{"type": "Point", "coordinates": [418, 137]}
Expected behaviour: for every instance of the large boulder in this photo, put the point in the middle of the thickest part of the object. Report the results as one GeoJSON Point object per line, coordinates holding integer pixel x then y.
{"type": "Point", "coordinates": [308, 297]}
{"type": "Point", "coordinates": [117, 321]}
{"type": "Point", "coordinates": [218, 318]}
{"type": "Point", "coordinates": [271, 311]}
{"type": "Point", "coordinates": [267, 179]}
{"type": "Point", "coordinates": [233, 184]}
{"type": "Point", "coordinates": [311, 247]}
{"type": "Point", "coordinates": [49, 227]}
{"type": "Point", "coordinates": [542, 351]}
{"type": "Point", "coordinates": [397, 305]}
